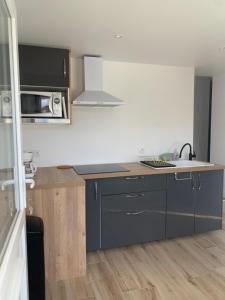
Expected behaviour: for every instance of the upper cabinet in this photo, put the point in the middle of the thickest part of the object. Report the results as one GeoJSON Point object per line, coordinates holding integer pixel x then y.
{"type": "Point", "coordinates": [42, 66]}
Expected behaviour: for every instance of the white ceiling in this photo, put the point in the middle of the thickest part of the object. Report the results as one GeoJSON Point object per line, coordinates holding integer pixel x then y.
{"type": "Point", "coordinates": [172, 32]}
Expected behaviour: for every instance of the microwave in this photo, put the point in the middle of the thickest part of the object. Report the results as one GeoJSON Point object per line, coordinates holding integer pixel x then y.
{"type": "Point", "coordinates": [42, 104]}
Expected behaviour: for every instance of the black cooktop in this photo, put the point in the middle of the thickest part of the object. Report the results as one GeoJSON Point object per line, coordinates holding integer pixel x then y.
{"type": "Point", "coordinates": [101, 168]}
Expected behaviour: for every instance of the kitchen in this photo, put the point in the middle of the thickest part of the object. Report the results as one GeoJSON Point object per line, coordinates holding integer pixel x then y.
{"type": "Point", "coordinates": [116, 227]}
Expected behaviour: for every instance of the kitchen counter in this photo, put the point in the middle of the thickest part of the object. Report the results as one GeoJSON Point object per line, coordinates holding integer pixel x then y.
{"type": "Point", "coordinates": [48, 177]}
{"type": "Point", "coordinates": [137, 169]}
{"type": "Point", "coordinates": [59, 199]}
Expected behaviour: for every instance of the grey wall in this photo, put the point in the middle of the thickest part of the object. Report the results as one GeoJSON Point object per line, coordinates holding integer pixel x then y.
{"type": "Point", "coordinates": [202, 103]}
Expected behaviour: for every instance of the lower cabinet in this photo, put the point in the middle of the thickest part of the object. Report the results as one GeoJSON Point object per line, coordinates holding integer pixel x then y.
{"type": "Point", "coordinates": [141, 220]}
{"type": "Point", "coordinates": [209, 204]}
{"type": "Point", "coordinates": [155, 208]}
{"type": "Point", "coordinates": [194, 203]}
{"type": "Point", "coordinates": [180, 219]}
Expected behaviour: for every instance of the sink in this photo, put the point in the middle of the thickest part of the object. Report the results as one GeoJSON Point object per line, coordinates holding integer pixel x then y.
{"type": "Point", "coordinates": [190, 163]}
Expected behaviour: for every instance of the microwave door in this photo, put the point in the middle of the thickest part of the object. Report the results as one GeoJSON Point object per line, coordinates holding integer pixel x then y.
{"type": "Point", "coordinates": [36, 105]}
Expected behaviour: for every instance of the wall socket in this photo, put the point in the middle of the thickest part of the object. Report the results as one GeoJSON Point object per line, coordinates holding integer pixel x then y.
{"type": "Point", "coordinates": [141, 151]}
{"type": "Point", "coordinates": [36, 153]}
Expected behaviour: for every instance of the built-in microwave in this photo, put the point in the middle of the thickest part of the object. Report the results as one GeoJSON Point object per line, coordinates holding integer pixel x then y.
{"type": "Point", "coordinates": [42, 104]}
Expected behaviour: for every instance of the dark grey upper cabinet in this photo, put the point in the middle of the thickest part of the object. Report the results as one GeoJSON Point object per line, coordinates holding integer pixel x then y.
{"type": "Point", "coordinates": [209, 201]}
{"type": "Point", "coordinates": [180, 205]}
{"type": "Point", "coordinates": [42, 66]}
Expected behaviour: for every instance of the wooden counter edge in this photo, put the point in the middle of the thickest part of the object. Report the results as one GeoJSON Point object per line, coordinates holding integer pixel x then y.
{"type": "Point", "coordinates": [61, 204]}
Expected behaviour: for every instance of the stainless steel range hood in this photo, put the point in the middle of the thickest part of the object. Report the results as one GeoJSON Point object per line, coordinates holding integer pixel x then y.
{"type": "Point", "coordinates": [93, 94]}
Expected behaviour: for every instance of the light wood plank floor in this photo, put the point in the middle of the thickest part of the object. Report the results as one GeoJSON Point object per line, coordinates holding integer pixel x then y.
{"type": "Point", "coordinates": [191, 268]}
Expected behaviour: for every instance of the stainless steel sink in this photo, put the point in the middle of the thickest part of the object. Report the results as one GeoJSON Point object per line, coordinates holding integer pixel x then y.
{"type": "Point", "coordinates": [190, 163]}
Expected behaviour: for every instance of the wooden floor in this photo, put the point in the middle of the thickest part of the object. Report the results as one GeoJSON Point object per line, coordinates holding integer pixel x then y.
{"type": "Point", "coordinates": [189, 268]}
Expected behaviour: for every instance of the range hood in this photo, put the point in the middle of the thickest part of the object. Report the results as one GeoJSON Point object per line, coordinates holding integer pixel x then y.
{"type": "Point", "coordinates": [93, 94]}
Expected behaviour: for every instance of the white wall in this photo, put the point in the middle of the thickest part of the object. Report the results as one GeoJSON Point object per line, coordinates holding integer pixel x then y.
{"type": "Point", "coordinates": [157, 116]}
{"type": "Point", "coordinates": [218, 121]}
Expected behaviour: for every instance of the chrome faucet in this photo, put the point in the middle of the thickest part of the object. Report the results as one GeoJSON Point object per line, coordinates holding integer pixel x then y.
{"type": "Point", "coordinates": [191, 155]}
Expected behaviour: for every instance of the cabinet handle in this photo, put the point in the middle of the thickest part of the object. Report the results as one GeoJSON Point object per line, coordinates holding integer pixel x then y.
{"type": "Point", "coordinates": [199, 182]}
{"type": "Point", "coordinates": [185, 178]}
{"type": "Point", "coordinates": [134, 195]}
{"type": "Point", "coordinates": [193, 184]}
{"type": "Point", "coordinates": [134, 213]}
{"type": "Point", "coordinates": [64, 67]}
{"type": "Point", "coordinates": [134, 178]}
{"type": "Point", "coordinates": [96, 190]}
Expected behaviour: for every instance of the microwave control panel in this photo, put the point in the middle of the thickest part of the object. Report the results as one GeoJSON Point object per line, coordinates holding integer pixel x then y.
{"type": "Point", "coordinates": [57, 104]}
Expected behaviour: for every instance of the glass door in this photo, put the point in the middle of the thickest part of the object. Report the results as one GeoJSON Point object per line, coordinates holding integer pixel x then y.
{"type": "Point", "coordinates": [8, 201]}
{"type": "Point", "coordinates": [13, 261]}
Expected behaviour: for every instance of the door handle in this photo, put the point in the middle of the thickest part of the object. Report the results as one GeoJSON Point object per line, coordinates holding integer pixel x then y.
{"type": "Point", "coordinates": [31, 182]}
{"type": "Point", "coordinates": [184, 178]}
{"type": "Point", "coordinates": [199, 182]}
{"type": "Point", "coordinates": [96, 190]}
{"type": "Point", "coordinates": [5, 183]}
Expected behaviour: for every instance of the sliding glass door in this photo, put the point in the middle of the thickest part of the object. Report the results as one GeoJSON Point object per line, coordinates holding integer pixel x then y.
{"type": "Point", "coordinates": [13, 273]}
{"type": "Point", "coordinates": [7, 135]}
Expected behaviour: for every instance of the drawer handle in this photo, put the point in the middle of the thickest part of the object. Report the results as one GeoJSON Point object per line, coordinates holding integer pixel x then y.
{"type": "Point", "coordinates": [134, 178]}
{"type": "Point", "coordinates": [134, 195]}
{"type": "Point", "coordinates": [134, 213]}
{"type": "Point", "coordinates": [96, 190]}
{"type": "Point", "coordinates": [184, 178]}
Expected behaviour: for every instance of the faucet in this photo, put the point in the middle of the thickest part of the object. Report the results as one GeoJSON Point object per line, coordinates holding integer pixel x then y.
{"type": "Point", "coordinates": [191, 155]}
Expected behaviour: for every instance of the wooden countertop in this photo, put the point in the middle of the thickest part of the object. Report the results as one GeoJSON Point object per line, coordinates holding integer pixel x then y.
{"type": "Point", "coordinates": [136, 169]}
{"type": "Point", "coordinates": [48, 177]}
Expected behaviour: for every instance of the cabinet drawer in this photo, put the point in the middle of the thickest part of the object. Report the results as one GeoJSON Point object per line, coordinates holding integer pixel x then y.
{"type": "Point", "coordinates": [130, 184]}
{"type": "Point", "coordinates": [126, 228]}
{"type": "Point", "coordinates": [135, 201]}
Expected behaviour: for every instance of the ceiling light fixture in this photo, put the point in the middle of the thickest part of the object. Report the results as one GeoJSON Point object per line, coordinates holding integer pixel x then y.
{"type": "Point", "coordinates": [117, 36]}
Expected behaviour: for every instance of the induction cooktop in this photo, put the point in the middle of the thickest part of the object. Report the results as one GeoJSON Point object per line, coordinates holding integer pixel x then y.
{"type": "Point", "coordinates": [101, 168]}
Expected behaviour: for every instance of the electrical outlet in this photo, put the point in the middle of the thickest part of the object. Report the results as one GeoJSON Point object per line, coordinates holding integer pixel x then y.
{"type": "Point", "coordinates": [141, 151]}
{"type": "Point", "coordinates": [36, 153]}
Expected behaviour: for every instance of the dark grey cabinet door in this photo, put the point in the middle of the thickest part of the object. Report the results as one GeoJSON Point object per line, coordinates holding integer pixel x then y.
{"type": "Point", "coordinates": [180, 219]}
{"type": "Point", "coordinates": [209, 201]}
{"type": "Point", "coordinates": [42, 66]}
{"type": "Point", "coordinates": [93, 216]}
{"type": "Point", "coordinates": [143, 220]}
